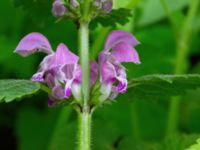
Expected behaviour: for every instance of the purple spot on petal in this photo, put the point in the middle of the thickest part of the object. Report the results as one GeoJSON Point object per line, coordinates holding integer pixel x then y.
{"type": "Point", "coordinates": [68, 92]}
{"type": "Point", "coordinates": [122, 86]}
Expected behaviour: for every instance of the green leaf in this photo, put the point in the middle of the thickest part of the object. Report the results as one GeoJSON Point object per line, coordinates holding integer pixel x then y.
{"type": "Point", "coordinates": [34, 128]}
{"type": "Point", "coordinates": [117, 16]}
{"type": "Point", "coordinates": [157, 86]}
{"type": "Point", "coordinates": [33, 8]}
{"type": "Point", "coordinates": [64, 132]}
{"type": "Point", "coordinates": [178, 142]}
{"type": "Point", "coordinates": [195, 146]}
{"type": "Point", "coordinates": [16, 89]}
{"type": "Point", "coordinates": [149, 10]}
{"type": "Point", "coordinates": [12, 67]}
{"type": "Point", "coordinates": [196, 22]}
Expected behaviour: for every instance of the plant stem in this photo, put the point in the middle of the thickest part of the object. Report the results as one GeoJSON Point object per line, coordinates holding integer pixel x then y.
{"type": "Point", "coordinates": [84, 131]}
{"type": "Point", "coordinates": [173, 116]}
{"type": "Point", "coordinates": [135, 121]}
{"type": "Point", "coordinates": [84, 114]}
{"type": "Point", "coordinates": [84, 54]}
{"type": "Point", "coordinates": [168, 11]}
{"type": "Point", "coordinates": [181, 65]}
{"type": "Point", "coordinates": [86, 10]}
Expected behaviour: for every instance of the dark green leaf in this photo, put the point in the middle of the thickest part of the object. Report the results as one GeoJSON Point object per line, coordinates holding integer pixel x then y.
{"type": "Point", "coordinates": [65, 128]}
{"type": "Point", "coordinates": [7, 47]}
{"type": "Point", "coordinates": [117, 16]}
{"type": "Point", "coordinates": [157, 86]}
{"type": "Point", "coordinates": [16, 89]}
{"type": "Point", "coordinates": [38, 10]}
{"type": "Point", "coordinates": [34, 128]}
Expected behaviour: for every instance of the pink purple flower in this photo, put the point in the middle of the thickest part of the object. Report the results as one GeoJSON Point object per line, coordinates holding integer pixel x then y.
{"type": "Point", "coordinates": [119, 47]}
{"type": "Point", "coordinates": [59, 70]}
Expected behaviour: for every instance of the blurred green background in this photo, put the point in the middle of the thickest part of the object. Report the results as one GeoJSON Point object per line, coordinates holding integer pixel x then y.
{"type": "Point", "coordinates": [127, 124]}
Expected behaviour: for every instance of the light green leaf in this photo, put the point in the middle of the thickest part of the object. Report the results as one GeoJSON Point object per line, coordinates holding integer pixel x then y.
{"type": "Point", "coordinates": [150, 8]}
{"type": "Point", "coordinates": [16, 89]}
{"type": "Point", "coordinates": [195, 146]}
{"type": "Point", "coordinates": [178, 142]}
{"type": "Point", "coordinates": [157, 86]}
{"type": "Point", "coordinates": [196, 22]}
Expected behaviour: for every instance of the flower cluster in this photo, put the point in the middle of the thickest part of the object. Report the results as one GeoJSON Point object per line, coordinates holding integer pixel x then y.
{"type": "Point", "coordinates": [104, 5]}
{"type": "Point", "coordinates": [62, 7]}
{"type": "Point", "coordinates": [61, 72]}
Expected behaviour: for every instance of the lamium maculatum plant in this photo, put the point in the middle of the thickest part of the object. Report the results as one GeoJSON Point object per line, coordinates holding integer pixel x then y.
{"type": "Point", "coordinates": [62, 74]}
{"type": "Point", "coordinates": [86, 84]}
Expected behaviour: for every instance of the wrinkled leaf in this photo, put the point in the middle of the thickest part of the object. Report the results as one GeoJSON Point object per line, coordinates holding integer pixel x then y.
{"type": "Point", "coordinates": [117, 16]}
{"type": "Point", "coordinates": [179, 142]}
{"type": "Point", "coordinates": [16, 89]}
{"type": "Point", "coordinates": [157, 86]}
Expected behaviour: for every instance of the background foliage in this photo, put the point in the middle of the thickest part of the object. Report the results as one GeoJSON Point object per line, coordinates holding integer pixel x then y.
{"type": "Point", "coordinates": [130, 123]}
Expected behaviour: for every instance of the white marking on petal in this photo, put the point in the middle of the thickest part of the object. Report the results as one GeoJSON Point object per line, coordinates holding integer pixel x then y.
{"type": "Point", "coordinates": [105, 91]}
{"type": "Point", "coordinates": [76, 91]}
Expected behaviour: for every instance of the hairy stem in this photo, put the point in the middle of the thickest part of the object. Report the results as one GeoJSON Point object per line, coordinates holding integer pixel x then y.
{"type": "Point", "coordinates": [181, 65]}
{"type": "Point", "coordinates": [84, 131]}
{"type": "Point", "coordinates": [85, 118]}
{"type": "Point", "coordinates": [84, 54]}
{"type": "Point", "coordinates": [84, 114]}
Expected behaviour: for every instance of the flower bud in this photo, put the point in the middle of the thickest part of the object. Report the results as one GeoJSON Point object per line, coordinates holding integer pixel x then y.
{"type": "Point", "coordinates": [104, 5]}
{"type": "Point", "coordinates": [59, 8]}
{"type": "Point", "coordinates": [107, 6]}
{"type": "Point", "coordinates": [74, 3]}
